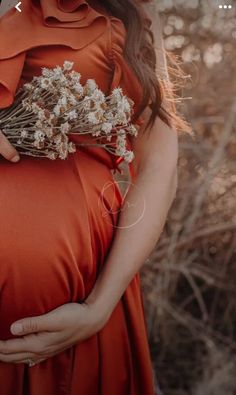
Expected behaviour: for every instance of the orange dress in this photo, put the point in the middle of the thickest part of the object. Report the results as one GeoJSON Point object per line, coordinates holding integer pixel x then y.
{"type": "Point", "coordinates": [55, 236]}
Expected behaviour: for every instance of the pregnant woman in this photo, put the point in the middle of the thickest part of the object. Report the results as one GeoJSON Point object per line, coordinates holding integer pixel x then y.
{"type": "Point", "coordinates": [71, 246]}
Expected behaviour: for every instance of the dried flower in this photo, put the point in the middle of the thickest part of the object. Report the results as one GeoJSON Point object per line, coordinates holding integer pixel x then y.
{"type": "Point", "coordinates": [68, 65]}
{"type": "Point", "coordinates": [55, 105]}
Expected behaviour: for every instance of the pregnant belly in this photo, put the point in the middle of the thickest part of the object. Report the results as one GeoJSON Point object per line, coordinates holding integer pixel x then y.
{"type": "Point", "coordinates": [49, 249]}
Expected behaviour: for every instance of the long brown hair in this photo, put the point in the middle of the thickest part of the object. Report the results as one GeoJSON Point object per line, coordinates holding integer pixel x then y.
{"type": "Point", "coordinates": [140, 53]}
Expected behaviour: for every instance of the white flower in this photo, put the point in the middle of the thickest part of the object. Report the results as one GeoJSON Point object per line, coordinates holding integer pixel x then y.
{"type": "Point", "coordinates": [68, 65]}
{"type": "Point", "coordinates": [124, 105]}
{"type": "Point", "coordinates": [98, 96]}
{"type": "Point", "coordinates": [57, 110]}
{"type": "Point", "coordinates": [78, 88]}
{"type": "Point", "coordinates": [63, 91]}
{"type": "Point", "coordinates": [63, 101]}
{"type": "Point", "coordinates": [72, 100]}
{"type": "Point", "coordinates": [129, 156]}
{"type": "Point", "coordinates": [117, 94]}
{"type": "Point", "coordinates": [52, 155]}
{"type": "Point", "coordinates": [121, 132]}
{"type": "Point", "coordinates": [65, 127]}
{"type": "Point", "coordinates": [28, 86]}
{"type": "Point", "coordinates": [39, 124]}
{"type": "Point", "coordinates": [45, 83]}
{"type": "Point", "coordinates": [109, 115]}
{"type": "Point", "coordinates": [51, 119]}
{"type": "Point", "coordinates": [107, 127]}
{"type": "Point", "coordinates": [46, 72]}
{"type": "Point", "coordinates": [133, 130]}
{"type": "Point", "coordinates": [35, 108]}
{"type": "Point", "coordinates": [49, 132]}
{"type": "Point", "coordinates": [75, 77]}
{"type": "Point", "coordinates": [120, 151]}
{"type": "Point", "coordinates": [96, 133]}
{"type": "Point", "coordinates": [91, 86]}
{"type": "Point", "coordinates": [121, 118]}
{"type": "Point", "coordinates": [39, 135]}
{"type": "Point", "coordinates": [24, 133]}
{"type": "Point", "coordinates": [71, 147]}
{"type": "Point", "coordinates": [71, 115]}
{"type": "Point", "coordinates": [57, 73]}
{"type": "Point", "coordinates": [63, 81]}
{"type": "Point", "coordinates": [41, 115]}
{"type": "Point", "coordinates": [63, 154]}
{"type": "Point", "coordinates": [121, 141]}
{"type": "Point", "coordinates": [58, 139]}
{"type": "Point", "coordinates": [92, 118]}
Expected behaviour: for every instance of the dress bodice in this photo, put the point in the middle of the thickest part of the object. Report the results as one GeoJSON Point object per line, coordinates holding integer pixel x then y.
{"type": "Point", "coordinates": [56, 30]}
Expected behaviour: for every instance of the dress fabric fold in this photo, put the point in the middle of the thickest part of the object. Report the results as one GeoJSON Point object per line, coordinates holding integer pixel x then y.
{"type": "Point", "coordinates": [59, 217]}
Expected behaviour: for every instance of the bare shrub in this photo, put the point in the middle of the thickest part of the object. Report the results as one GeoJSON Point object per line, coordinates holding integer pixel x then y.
{"type": "Point", "coordinates": [189, 279]}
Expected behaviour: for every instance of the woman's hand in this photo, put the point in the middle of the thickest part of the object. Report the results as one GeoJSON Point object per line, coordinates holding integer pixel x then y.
{"type": "Point", "coordinates": [47, 335]}
{"type": "Point", "coordinates": [7, 150]}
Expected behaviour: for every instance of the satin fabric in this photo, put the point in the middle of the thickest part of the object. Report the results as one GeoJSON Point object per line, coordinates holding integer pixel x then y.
{"type": "Point", "coordinates": [58, 218]}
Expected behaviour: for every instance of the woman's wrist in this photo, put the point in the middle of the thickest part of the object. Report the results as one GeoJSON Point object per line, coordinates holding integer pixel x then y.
{"type": "Point", "coordinates": [100, 311]}
{"type": "Point", "coordinates": [101, 307]}
{"type": "Point", "coordinates": [107, 291]}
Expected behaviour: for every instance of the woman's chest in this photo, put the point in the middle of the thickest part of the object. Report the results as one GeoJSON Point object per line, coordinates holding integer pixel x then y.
{"type": "Point", "coordinates": [91, 62]}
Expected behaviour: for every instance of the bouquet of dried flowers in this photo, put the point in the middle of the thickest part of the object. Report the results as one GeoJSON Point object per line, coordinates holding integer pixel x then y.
{"type": "Point", "coordinates": [55, 105]}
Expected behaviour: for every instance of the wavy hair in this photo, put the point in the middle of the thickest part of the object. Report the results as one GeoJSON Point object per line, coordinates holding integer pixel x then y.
{"type": "Point", "coordinates": [141, 55]}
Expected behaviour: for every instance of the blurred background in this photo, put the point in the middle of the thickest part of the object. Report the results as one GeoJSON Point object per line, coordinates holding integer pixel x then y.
{"type": "Point", "coordinates": [189, 280]}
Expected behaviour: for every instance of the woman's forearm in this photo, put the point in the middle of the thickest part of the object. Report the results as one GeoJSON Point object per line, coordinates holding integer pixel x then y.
{"type": "Point", "coordinates": [141, 222]}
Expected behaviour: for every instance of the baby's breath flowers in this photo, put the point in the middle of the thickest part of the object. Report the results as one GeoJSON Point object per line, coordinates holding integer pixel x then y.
{"type": "Point", "coordinates": [55, 105]}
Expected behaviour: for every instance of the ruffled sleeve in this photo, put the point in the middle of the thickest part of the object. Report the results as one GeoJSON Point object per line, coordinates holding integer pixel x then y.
{"type": "Point", "coordinates": [123, 74]}
{"type": "Point", "coordinates": [33, 28]}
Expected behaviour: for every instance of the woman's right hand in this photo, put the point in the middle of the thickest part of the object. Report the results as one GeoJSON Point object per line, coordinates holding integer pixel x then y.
{"type": "Point", "coordinates": [7, 150]}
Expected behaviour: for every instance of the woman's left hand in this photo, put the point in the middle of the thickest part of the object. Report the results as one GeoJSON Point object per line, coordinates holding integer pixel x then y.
{"type": "Point", "coordinates": [49, 334]}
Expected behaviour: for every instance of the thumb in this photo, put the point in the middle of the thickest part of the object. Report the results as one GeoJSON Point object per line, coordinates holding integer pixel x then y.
{"type": "Point", "coordinates": [31, 325]}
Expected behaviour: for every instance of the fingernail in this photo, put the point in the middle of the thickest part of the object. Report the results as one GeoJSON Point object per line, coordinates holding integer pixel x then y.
{"type": "Point", "coordinates": [16, 328]}
{"type": "Point", "coordinates": [16, 158]}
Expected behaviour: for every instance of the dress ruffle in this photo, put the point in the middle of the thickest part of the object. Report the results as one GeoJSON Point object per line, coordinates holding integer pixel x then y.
{"type": "Point", "coordinates": [38, 17]}
{"type": "Point", "coordinates": [28, 29]}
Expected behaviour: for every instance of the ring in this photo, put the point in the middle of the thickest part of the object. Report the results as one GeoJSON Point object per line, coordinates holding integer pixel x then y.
{"type": "Point", "coordinates": [30, 362]}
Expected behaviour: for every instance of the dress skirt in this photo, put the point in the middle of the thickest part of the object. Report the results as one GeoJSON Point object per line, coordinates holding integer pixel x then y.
{"type": "Point", "coordinates": [58, 220]}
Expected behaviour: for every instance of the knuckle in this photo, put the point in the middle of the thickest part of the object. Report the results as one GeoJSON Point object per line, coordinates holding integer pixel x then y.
{"type": "Point", "coordinates": [40, 349]}
{"type": "Point", "coordinates": [31, 326]}
{"type": "Point", "coordinates": [36, 348]}
{"type": "Point", "coordinates": [45, 351]}
{"type": "Point", "coordinates": [6, 349]}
